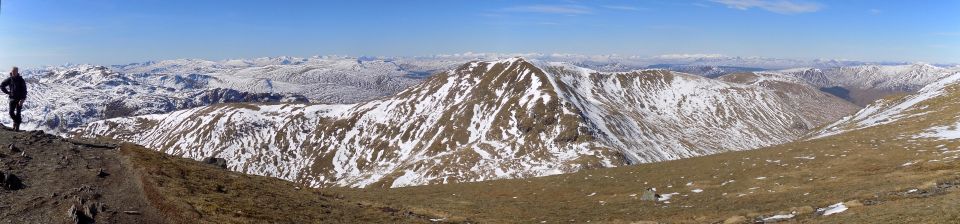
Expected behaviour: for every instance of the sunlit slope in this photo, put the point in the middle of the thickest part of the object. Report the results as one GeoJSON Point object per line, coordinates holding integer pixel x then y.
{"type": "Point", "coordinates": [902, 171]}
{"type": "Point", "coordinates": [491, 120]}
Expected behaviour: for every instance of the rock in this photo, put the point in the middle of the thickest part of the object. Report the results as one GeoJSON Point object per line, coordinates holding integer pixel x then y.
{"type": "Point", "coordinates": [131, 212]}
{"type": "Point", "coordinates": [10, 182]}
{"type": "Point", "coordinates": [101, 207]}
{"type": "Point", "coordinates": [72, 213]}
{"type": "Point", "coordinates": [218, 162]}
{"type": "Point", "coordinates": [735, 219]}
{"type": "Point", "coordinates": [92, 209]}
{"type": "Point", "coordinates": [649, 195]}
{"type": "Point", "coordinates": [13, 149]}
{"type": "Point", "coordinates": [80, 216]}
{"type": "Point", "coordinates": [38, 134]}
{"type": "Point", "coordinates": [102, 174]}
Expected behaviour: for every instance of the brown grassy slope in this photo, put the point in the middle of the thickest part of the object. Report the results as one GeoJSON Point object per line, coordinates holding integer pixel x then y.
{"type": "Point", "coordinates": [867, 165]}
{"type": "Point", "coordinates": [58, 174]}
{"type": "Point", "coordinates": [190, 192]}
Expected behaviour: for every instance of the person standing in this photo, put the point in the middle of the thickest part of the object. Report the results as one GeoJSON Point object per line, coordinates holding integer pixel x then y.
{"type": "Point", "coordinates": [16, 88]}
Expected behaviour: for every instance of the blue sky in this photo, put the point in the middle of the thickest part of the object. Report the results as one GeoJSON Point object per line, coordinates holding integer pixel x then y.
{"type": "Point", "coordinates": [43, 32]}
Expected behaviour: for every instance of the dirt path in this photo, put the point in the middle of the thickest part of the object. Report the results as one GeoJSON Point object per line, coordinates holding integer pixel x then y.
{"type": "Point", "coordinates": [69, 181]}
{"type": "Point", "coordinates": [63, 183]}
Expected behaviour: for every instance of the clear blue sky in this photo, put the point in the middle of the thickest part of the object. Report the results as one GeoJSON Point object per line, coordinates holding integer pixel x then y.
{"type": "Point", "coordinates": [41, 32]}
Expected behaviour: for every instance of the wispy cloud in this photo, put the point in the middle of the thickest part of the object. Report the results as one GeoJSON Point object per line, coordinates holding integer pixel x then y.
{"type": "Point", "coordinates": [552, 9]}
{"type": "Point", "coordinates": [778, 6]}
{"type": "Point", "coordinates": [875, 11]}
{"type": "Point", "coordinates": [623, 7]}
{"type": "Point", "coordinates": [697, 4]}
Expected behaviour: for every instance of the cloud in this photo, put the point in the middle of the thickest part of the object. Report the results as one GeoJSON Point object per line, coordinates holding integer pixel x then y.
{"type": "Point", "coordinates": [701, 5]}
{"type": "Point", "coordinates": [622, 7]}
{"type": "Point", "coordinates": [875, 11]}
{"type": "Point", "coordinates": [787, 7]}
{"type": "Point", "coordinates": [552, 9]}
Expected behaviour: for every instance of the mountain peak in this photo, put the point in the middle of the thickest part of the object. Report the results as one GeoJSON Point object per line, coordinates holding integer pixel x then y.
{"type": "Point", "coordinates": [508, 118]}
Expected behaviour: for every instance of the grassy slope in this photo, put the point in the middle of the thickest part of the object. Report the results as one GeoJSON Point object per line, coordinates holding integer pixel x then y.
{"type": "Point", "coordinates": [865, 165]}
{"type": "Point", "coordinates": [186, 191]}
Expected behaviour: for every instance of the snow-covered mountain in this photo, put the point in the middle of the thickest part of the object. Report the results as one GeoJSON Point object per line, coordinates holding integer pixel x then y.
{"type": "Point", "coordinates": [60, 99]}
{"type": "Point", "coordinates": [65, 97]}
{"type": "Point", "coordinates": [708, 71]}
{"type": "Point", "coordinates": [932, 105]}
{"type": "Point", "coordinates": [866, 83]}
{"type": "Point", "coordinates": [618, 63]}
{"type": "Point", "coordinates": [489, 120]}
{"type": "Point", "coordinates": [340, 79]}
{"type": "Point", "coordinates": [328, 79]}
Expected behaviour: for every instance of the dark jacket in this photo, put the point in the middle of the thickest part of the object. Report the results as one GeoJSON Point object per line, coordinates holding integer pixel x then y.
{"type": "Point", "coordinates": [14, 87]}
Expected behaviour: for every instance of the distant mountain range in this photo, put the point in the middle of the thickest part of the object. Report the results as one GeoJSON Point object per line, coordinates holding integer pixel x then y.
{"type": "Point", "coordinates": [865, 84]}
{"type": "Point", "coordinates": [484, 120]}
{"type": "Point", "coordinates": [71, 95]}
{"type": "Point", "coordinates": [65, 97]}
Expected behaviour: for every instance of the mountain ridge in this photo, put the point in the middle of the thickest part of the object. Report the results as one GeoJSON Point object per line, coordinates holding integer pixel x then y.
{"type": "Point", "coordinates": [487, 120]}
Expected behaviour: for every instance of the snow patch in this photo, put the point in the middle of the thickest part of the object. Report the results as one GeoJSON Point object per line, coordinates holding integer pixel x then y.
{"type": "Point", "coordinates": [833, 209]}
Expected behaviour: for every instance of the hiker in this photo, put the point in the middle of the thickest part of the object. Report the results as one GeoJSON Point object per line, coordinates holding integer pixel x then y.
{"type": "Point", "coordinates": [17, 92]}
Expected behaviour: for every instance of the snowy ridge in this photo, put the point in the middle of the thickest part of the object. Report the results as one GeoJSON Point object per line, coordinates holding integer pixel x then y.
{"type": "Point", "coordinates": [508, 118]}
{"type": "Point", "coordinates": [889, 110]}
{"type": "Point", "coordinates": [65, 97]}
{"type": "Point", "coordinates": [619, 63]}
{"type": "Point", "coordinates": [60, 99]}
{"type": "Point", "coordinates": [906, 78]}
{"type": "Point", "coordinates": [327, 79]}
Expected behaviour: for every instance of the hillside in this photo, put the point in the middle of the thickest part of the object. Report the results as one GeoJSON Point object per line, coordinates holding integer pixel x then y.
{"type": "Point", "coordinates": [903, 170]}
{"type": "Point", "coordinates": [490, 120]}
{"type": "Point", "coordinates": [897, 108]}
{"type": "Point", "coordinates": [70, 181]}
{"type": "Point", "coordinates": [864, 84]}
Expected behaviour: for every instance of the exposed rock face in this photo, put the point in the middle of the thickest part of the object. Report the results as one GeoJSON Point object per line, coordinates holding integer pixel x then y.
{"type": "Point", "coordinates": [10, 181]}
{"type": "Point", "coordinates": [489, 120]}
{"type": "Point", "coordinates": [218, 162]}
